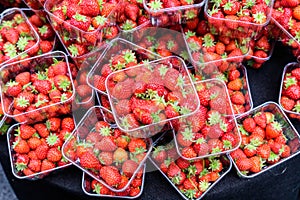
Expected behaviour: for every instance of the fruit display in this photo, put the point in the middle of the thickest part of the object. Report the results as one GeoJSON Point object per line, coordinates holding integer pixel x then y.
{"type": "Point", "coordinates": [104, 152]}
{"type": "Point", "coordinates": [131, 16]}
{"type": "Point", "coordinates": [238, 18]}
{"type": "Point", "coordinates": [19, 40]}
{"type": "Point", "coordinates": [268, 139]}
{"type": "Point", "coordinates": [94, 188]}
{"type": "Point", "coordinates": [38, 87]}
{"type": "Point", "coordinates": [82, 25]}
{"type": "Point", "coordinates": [119, 54]}
{"type": "Point", "coordinates": [164, 42]}
{"type": "Point", "coordinates": [191, 179]}
{"type": "Point", "coordinates": [286, 15]}
{"type": "Point", "coordinates": [34, 4]}
{"type": "Point", "coordinates": [209, 51]}
{"type": "Point", "coordinates": [35, 150]}
{"type": "Point", "coordinates": [261, 49]}
{"type": "Point", "coordinates": [289, 95]}
{"type": "Point", "coordinates": [42, 26]}
{"type": "Point", "coordinates": [164, 13]}
{"type": "Point", "coordinates": [144, 98]}
{"type": "Point", "coordinates": [212, 130]}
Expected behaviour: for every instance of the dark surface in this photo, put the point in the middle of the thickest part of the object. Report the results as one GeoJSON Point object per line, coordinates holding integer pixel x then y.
{"type": "Point", "coordinates": [282, 182]}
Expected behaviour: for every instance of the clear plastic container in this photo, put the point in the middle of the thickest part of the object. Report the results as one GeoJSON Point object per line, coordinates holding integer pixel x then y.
{"type": "Point", "coordinates": [11, 137]}
{"type": "Point", "coordinates": [236, 28]}
{"type": "Point", "coordinates": [151, 117]}
{"type": "Point", "coordinates": [86, 187]}
{"type": "Point", "coordinates": [114, 48]}
{"type": "Point", "coordinates": [104, 102]}
{"type": "Point", "coordinates": [288, 130]}
{"type": "Point", "coordinates": [287, 70]}
{"type": "Point", "coordinates": [34, 4]}
{"type": "Point", "coordinates": [203, 61]}
{"type": "Point", "coordinates": [81, 135]}
{"type": "Point", "coordinates": [221, 113]}
{"type": "Point", "coordinates": [8, 15]}
{"type": "Point", "coordinates": [166, 141]}
{"type": "Point", "coordinates": [44, 61]}
{"type": "Point", "coordinates": [173, 15]}
{"type": "Point", "coordinates": [72, 37]}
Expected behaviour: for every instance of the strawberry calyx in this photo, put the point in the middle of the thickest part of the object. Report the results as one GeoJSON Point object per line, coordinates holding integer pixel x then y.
{"type": "Point", "coordinates": [11, 83]}
{"type": "Point", "coordinates": [43, 29]}
{"type": "Point", "coordinates": [64, 84]}
{"type": "Point", "coordinates": [214, 118]}
{"type": "Point", "coordinates": [190, 14]}
{"type": "Point", "coordinates": [194, 47]}
{"type": "Point", "coordinates": [253, 144]}
{"type": "Point", "coordinates": [162, 70]}
{"type": "Point", "coordinates": [227, 144]}
{"type": "Point", "coordinates": [10, 50]}
{"type": "Point", "coordinates": [216, 3]}
{"type": "Point", "coordinates": [216, 150]}
{"type": "Point", "coordinates": [242, 130]}
{"type": "Point", "coordinates": [249, 4]}
{"type": "Point", "coordinates": [204, 185]}
{"type": "Point", "coordinates": [228, 6]}
{"type": "Point", "coordinates": [157, 150]}
{"type": "Point", "coordinates": [200, 140]}
{"type": "Point", "coordinates": [297, 108]}
{"type": "Point", "coordinates": [176, 179]}
{"type": "Point", "coordinates": [105, 131]}
{"type": "Point", "coordinates": [188, 134]}
{"type": "Point", "coordinates": [127, 25]}
{"type": "Point", "coordinates": [189, 34]}
{"type": "Point", "coordinates": [52, 139]}
{"type": "Point", "coordinates": [170, 44]}
{"type": "Point", "coordinates": [80, 17]}
{"type": "Point", "coordinates": [97, 188]}
{"type": "Point", "coordinates": [191, 171]}
{"type": "Point", "coordinates": [185, 55]}
{"type": "Point", "coordinates": [22, 43]}
{"type": "Point", "coordinates": [129, 56]}
{"type": "Point", "coordinates": [259, 17]}
{"type": "Point", "coordinates": [184, 110]}
{"type": "Point", "coordinates": [289, 82]}
{"type": "Point", "coordinates": [273, 157]}
{"type": "Point", "coordinates": [155, 5]}
{"type": "Point", "coordinates": [101, 20]}
{"type": "Point", "coordinates": [214, 164]}
{"type": "Point", "coordinates": [63, 97]}
{"type": "Point", "coordinates": [40, 102]}
{"type": "Point", "coordinates": [20, 166]}
{"type": "Point", "coordinates": [208, 41]}
{"type": "Point", "coordinates": [190, 193]}
{"type": "Point", "coordinates": [277, 126]}
{"type": "Point", "coordinates": [22, 102]}
{"type": "Point", "coordinates": [73, 50]}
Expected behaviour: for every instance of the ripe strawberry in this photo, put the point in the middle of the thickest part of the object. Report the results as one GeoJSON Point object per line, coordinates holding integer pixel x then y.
{"type": "Point", "coordinates": [107, 144]}
{"type": "Point", "coordinates": [89, 160]}
{"type": "Point", "coordinates": [244, 164]}
{"type": "Point", "coordinates": [42, 130]}
{"type": "Point", "coordinates": [136, 144]}
{"type": "Point", "coordinates": [21, 146]}
{"type": "Point", "coordinates": [173, 170]}
{"type": "Point", "coordinates": [53, 124]}
{"type": "Point", "coordinates": [185, 137]}
{"type": "Point", "coordinates": [249, 124]}
{"type": "Point", "coordinates": [106, 158]}
{"type": "Point", "coordinates": [129, 167]}
{"type": "Point", "coordinates": [256, 164]}
{"type": "Point", "coordinates": [68, 124]}
{"type": "Point", "coordinates": [296, 12]}
{"type": "Point", "coordinates": [237, 97]}
{"type": "Point", "coordinates": [84, 91]}
{"type": "Point", "coordinates": [188, 152]}
{"type": "Point", "coordinates": [273, 130]}
{"type": "Point", "coordinates": [159, 154]}
{"type": "Point", "coordinates": [293, 92]}
{"type": "Point", "coordinates": [260, 119]}
{"type": "Point", "coordinates": [23, 78]}
{"type": "Point", "coordinates": [285, 151]}
{"type": "Point", "coordinates": [201, 147]}
{"type": "Point", "coordinates": [89, 7]}
{"type": "Point", "coordinates": [35, 165]}
{"type": "Point", "coordinates": [41, 152]}
{"type": "Point", "coordinates": [264, 151]}
{"type": "Point", "coordinates": [238, 153]}
{"type": "Point", "coordinates": [235, 84]}
{"type": "Point", "coordinates": [110, 175]}
{"type": "Point", "coordinates": [47, 165]}
{"type": "Point", "coordinates": [34, 142]}
{"type": "Point", "coordinates": [26, 131]}
{"type": "Point", "coordinates": [54, 155]}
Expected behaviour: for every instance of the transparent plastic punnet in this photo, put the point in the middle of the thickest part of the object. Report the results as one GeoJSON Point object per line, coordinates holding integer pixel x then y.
{"type": "Point", "coordinates": [290, 134]}
{"type": "Point", "coordinates": [81, 141]}
{"type": "Point", "coordinates": [219, 125]}
{"type": "Point", "coordinates": [166, 142]}
{"type": "Point", "coordinates": [18, 54]}
{"type": "Point", "coordinates": [286, 73]}
{"type": "Point", "coordinates": [34, 4]}
{"type": "Point", "coordinates": [34, 65]}
{"type": "Point", "coordinates": [131, 55]}
{"type": "Point", "coordinates": [173, 15]}
{"type": "Point", "coordinates": [11, 138]}
{"type": "Point", "coordinates": [150, 87]}
{"type": "Point", "coordinates": [70, 34]}
{"type": "Point", "coordinates": [235, 27]}
{"type": "Point", "coordinates": [87, 181]}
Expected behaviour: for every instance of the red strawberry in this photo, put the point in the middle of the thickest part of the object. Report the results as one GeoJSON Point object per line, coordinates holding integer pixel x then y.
{"type": "Point", "coordinates": [110, 175]}
{"type": "Point", "coordinates": [23, 78]}
{"type": "Point", "coordinates": [237, 154]}
{"type": "Point", "coordinates": [68, 124]}
{"type": "Point", "coordinates": [159, 154]}
{"type": "Point", "coordinates": [293, 92]}
{"type": "Point", "coordinates": [131, 11]}
{"type": "Point", "coordinates": [136, 144]}
{"type": "Point", "coordinates": [256, 164]}
{"type": "Point", "coordinates": [26, 131]}
{"type": "Point", "coordinates": [273, 130]}
{"type": "Point", "coordinates": [54, 155]}
{"type": "Point", "coordinates": [53, 124]}
{"type": "Point", "coordinates": [107, 144]}
{"type": "Point", "coordinates": [264, 151]}
{"type": "Point", "coordinates": [188, 152]}
{"type": "Point", "coordinates": [260, 119]}
{"type": "Point", "coordinates": [129, 167]}
{"type": "Point", "coordinates": [285, 151]}
{"type": "Point", "coordinates": [47, 165]}
{"type": "Point", "coordinates": [34, 142]}
{"type": "Point", "coordinates": [249, 124]}
{"type": "Point", "coordinates": [173, 170]}
{"type": "Point", "coordinates": [41, 152]}
{"type": "Point", "coordinates": [89, 160]}
{"type": "Point", "coordinates": [35, 165]}
{"type": "Point", "coordinates": [89, 7]}
{"type": "Point", "coordinates": [106, 158]}
{"type": "Point", "coordinates": [244, 164]}
{"type": "Point", "coordinates": [237, 97]}
{"type": "Point", "coordinates": [21, 146]}
{"type": "Point", "coordinates": [42, 130]}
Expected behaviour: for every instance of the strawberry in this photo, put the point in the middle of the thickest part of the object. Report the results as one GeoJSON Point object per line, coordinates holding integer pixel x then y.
{"type": "Point", "coordinates": [26, 131]}
{"type": "Point", "coordinates": [35, 165]}
{"type": "Point", "coordinates": [110, 175]}
{"type": "Point", "coordinates": [257, 164]}
{"type": "Point", "coordinates": [237, 97]}
{"type": "Point", "coordinates": [173, 170]}
{"type": "Point", "coordinates": [89, 7]}
{"type": "Point", "coordinates": [41, 152]}
{"type": "Point", "coordinates": [135, 144]}
{"type": "Point", "coordinates": [285, 151]}
{"type": "Point", "coordinates": [54, 155]}
{"type": "Point", "coordinates": [131, 11]}
{"type": "Point", "coordinates": [185, 137]}
{"type": "Point", "coordinates": [53, 124]}
{"type": "Point", "coordinates": [89, 161]}
{"type": "Point", "coordinates": [21, 146]}
{"type": "Point", "coordinates": [273, 130]}
{"type": "Point", "coordinates": [249, 124]}
{"type": "Point", "coordinates": [159, 154]}
{"type": "Point", "coordinates": [68, 124]}
{"type": "Point", "coordinates": [237, 154]}
{"type": "Point", "coordinates": [296, 12]}
{"type": "Point", "coordinates": [46, 46]}
{"type": "Point", "coordinates": [34, 142]}
{"type": "Point", "coordinates": [42, 130]}
{"type": "Point", "coordinates": [293, 92]}
{"type": "Point", "coordinates": [62, 82]}
{"type": "Point", "coordinates": [264, 151]}
{"type": "Point", "coordinates": [244, 164]}
{"type": "Point", "coordinates": [23, 78]}
{"type": "Point", "coordinates": [260, 119]}
{"type": "Point", "coordinates": [106, 158]}
{"type": "Point", "coordinates": [47, 165]}
{"type": "Point", "coordinates": [235, 84]}
{"type": "Point", "coordinates": [107, 144]}
{"type": "Point", "coordinates": [129, 167]}
{"type": "Point", "coordinates": [201, 147]}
